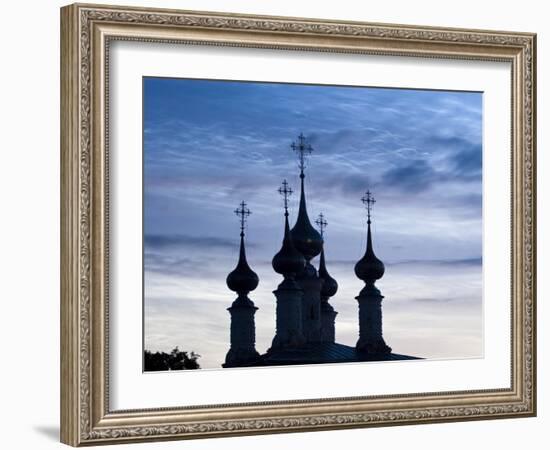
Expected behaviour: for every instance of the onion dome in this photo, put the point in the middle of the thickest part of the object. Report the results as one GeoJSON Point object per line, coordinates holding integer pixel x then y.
{"type": "Point", "coordinates": [288, 261]}
{"type": "Point", "coordinates": [330, 286]}
{"type": "Point", "coordinates": [369, 267]}
{"type": "Point", "coordinates": [242, 279]}
{"type": "Point", "coordinates": [305, 237]}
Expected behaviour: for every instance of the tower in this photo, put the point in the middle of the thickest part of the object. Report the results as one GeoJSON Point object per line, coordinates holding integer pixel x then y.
{"type": "Point", "coordinates": [309, 243]}
{"type": "Point", "coordinates": [242, 280]}
{"type": "Point", "coordinates": [329, 289]}
{"type": "Point", "coordinates": [369, 269]}
{"type": "Point", "coordinates": [288, 262]}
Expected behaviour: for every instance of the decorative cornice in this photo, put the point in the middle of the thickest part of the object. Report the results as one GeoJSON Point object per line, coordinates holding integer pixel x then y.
{"type": "Point", "coordinates": [290, 25]}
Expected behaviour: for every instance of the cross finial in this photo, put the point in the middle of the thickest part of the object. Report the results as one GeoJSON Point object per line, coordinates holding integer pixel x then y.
{"type": "Point", "coordinates": [369, 201]}
{"type": "Point", "coordinates": [242, 212]}
{"type": "Point", "coordinates": [286, 191]}
{"type": "Point", "coordinates": [321, 223]}
{"type": "Point", "coordinates": [303, 148]}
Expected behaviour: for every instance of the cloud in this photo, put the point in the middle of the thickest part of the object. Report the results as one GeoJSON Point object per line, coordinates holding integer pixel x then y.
{"type": "Point", "coordinates": [424, 312]}
{"type": "Point", "coordinates": [412, 176]}
{"type": "Point", "coordinates": [161, 263]}
{"type": "Point", "coordinates": [468, 162]}
{"type": "Point", "coordinates": [472, 262]}
{"type": "Point", "coordinates": [159, 241]}
{"type": "Point", "coordinates": [437, 299]}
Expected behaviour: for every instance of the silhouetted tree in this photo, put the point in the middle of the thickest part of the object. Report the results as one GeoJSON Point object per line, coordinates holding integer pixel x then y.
{"type": "Point", "coordinates": [175, 360]}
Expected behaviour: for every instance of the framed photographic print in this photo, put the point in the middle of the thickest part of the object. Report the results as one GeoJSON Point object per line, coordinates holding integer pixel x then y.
{"type": "Point", "coordinates": [278, 224]}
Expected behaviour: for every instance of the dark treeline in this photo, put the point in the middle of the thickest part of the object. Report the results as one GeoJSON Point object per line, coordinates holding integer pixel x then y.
{"type": "Point", "coordinates": [175, 360]}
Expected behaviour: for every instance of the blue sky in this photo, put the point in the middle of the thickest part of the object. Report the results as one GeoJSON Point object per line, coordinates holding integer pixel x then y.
{"type": "Point", "coordinates": [210, 144]}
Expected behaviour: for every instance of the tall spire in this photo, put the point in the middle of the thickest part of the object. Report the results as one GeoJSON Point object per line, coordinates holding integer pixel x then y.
{"type": "Point", "coordinates": [306, 238]}
{"type": "Point", "coordinates": [369, 268]}
{"type": "Point", "coordinates": [242, 279]}
{"type": "Point", "coordinates": [288, 261]}
{"type": "Point", "coordinates": [328, 289]}
{"type": "Point", "coordinates": [330, 286]}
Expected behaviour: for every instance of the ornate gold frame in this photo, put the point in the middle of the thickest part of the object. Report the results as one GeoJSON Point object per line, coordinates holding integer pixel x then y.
{"type": "Point", "coordinates": [86, 31]}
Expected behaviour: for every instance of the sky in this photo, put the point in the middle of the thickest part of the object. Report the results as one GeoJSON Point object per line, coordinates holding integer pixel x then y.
{"type": "Point", "coordinates": [210, 144]}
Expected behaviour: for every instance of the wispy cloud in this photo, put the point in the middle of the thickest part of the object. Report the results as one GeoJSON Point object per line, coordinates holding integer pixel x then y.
{"type": "Point", "coordinates": [176, 240]}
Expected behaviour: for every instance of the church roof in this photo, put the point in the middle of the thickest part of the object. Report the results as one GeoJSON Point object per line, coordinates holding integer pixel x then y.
{"type": "Point", "coordinates": [322, 353]}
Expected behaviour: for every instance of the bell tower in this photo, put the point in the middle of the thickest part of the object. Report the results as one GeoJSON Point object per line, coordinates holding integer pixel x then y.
{"type": "Point", "coordinates": [369, 269]}
{"type": "Point", "coordinates": [288, 262]}
{"type": "Point", "coordinates": [242, 280]}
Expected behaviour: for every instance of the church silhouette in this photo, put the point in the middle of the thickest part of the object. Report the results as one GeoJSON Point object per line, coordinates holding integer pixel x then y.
{"type": "Point", "coordinates": [305, 320]}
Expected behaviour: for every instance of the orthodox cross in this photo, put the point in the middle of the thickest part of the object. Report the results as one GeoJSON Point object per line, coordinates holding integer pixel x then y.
{"type": "Point", "coordinates": [321, 223]}
{"type": "Point", "coordinates": [303, 148]}
{"type": "Point", "coordinates": [286, 192]}
{"type": "Point", "coordinates": [369, 201]}
{"type": "Point", "coordinates": [242, 212]}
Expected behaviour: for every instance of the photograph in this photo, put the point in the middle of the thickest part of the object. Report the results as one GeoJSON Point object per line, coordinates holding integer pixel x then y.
{"type": "Point", "coordinates": [293, 224]}
{"type": "Point", "coordinates": [293, 220]}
